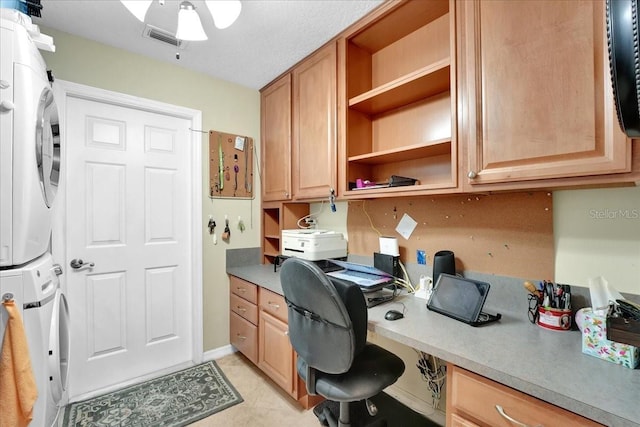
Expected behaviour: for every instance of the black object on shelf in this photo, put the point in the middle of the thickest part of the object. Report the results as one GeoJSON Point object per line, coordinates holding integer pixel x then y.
{"type": "Point", "coordinates": [394, 181]}
{"type": "Point", "coordinates": [399, 181]}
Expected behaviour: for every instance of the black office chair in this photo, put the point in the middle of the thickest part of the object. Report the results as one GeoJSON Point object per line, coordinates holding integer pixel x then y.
{"type": "Point", "coordinates": [328, 330]}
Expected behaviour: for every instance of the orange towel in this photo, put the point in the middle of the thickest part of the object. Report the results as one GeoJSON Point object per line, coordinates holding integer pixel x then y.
{"type": "Point", "coordinates": [18, 391]}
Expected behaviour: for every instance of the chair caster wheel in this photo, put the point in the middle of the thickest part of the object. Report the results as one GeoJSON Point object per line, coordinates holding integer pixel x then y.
{"type": "Point", "coordinates": [371, 407]}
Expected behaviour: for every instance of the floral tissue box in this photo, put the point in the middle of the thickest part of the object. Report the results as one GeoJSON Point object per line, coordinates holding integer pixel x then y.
{"type": "Point", "coordinates": [595, 342]}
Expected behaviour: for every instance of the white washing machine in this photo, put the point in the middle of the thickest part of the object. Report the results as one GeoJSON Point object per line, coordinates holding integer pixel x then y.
{"type": "Point", "coordinates": [36, 290]}
{"type": "Point", "coordinates": [29, 143]}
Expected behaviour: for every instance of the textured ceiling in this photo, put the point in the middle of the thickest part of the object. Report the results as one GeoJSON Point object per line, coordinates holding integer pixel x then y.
{"type": "Point", "coordinates": [269, 36]}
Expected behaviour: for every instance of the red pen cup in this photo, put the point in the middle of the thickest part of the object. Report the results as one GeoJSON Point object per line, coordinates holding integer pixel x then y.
{"type": "Point", "coordinates": [554, 318]}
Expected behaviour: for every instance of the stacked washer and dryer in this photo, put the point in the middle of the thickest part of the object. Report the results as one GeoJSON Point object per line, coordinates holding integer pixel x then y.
{"type": "Point", "coordinates": [29, 175]}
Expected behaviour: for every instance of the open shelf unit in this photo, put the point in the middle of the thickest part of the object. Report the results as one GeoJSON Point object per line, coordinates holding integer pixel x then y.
{"type": "Point", "coordinates": [400, 114]}
{"type": "Point", "coordinates": [278, 216]}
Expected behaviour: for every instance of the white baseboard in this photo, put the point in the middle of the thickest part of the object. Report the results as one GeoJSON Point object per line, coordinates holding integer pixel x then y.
{"type": "Point", "coordinates": [219, 352]}
{"type": "Point", "coordinates": [413, 402]}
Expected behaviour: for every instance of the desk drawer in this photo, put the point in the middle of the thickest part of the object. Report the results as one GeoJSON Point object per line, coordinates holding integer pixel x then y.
{"type": "Point", "coordinates": [477, 398]}
{"type": "Point", "coordinates": [244, 289]}
{"type": "Point", "coordinates": [244, 308]}
{"type": "Point", "coordinates": [273, 304]}
{"type": "Point", "coordinates": [244, 336]}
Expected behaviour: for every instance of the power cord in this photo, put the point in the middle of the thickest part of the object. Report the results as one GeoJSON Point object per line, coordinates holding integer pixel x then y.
{"type": "Point", "coordinates": [434, 373]}
{"type": "Point", "coordinates": [312, 216]}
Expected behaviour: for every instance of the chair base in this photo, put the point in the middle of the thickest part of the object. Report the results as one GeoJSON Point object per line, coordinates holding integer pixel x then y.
{"type": "Point", "coordinates": [329, 414]}
{"type": "Point", "coordinates": [395, 413]}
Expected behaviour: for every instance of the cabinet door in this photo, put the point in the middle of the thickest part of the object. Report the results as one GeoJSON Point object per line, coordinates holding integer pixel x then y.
{"type": "Point", "coordinates": [474, 400]}
{"type": "Point", "coordinates": [314, 125]}
{"type": "Point", "coordinates": [275, 354]}
{"type": "Point", "coordinates": [243, 335]}
{"type": "Point", "coordinates": [276, 140]}
{"type": "Point", "coordinates": [538, 101]}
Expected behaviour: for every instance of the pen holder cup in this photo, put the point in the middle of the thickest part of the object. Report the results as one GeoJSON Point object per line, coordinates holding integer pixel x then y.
{"type": "Point", "coordinates": [554, 318]}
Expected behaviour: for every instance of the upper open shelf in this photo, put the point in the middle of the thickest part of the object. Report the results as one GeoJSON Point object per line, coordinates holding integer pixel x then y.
{"type": "Point", "coordinates": [420, 84]}
{"type": "Point", "coordinates": [429, 149]}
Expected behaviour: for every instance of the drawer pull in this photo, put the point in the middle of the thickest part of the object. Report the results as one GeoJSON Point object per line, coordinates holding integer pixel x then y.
{"type": "Point", "coordinates": [241, 337]}
{"type": "Point", "coordinates": [240, 308]}
{"type": "Point", "coordinates": [510, 419]}
{"type": "Point", "coordinates": [274, 305]}
{"type": "Point", "coordinates": [241, 289]}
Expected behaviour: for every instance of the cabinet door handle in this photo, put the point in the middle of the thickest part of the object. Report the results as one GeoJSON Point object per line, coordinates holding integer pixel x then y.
{"type": "Point", "coordinates": [472, 175]}
{"type": "Point", "coordinates": [274, 305]}
{"type": "Point", "coordinates": [510, 419]}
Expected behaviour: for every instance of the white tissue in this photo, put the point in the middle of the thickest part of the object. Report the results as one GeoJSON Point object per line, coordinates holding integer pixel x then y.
{"type": "Point", "coordinates": [601, 293]}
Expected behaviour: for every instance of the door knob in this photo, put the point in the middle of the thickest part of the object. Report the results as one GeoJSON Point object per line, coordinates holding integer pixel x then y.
{"type": "Point", "coordinates": [78, 264]}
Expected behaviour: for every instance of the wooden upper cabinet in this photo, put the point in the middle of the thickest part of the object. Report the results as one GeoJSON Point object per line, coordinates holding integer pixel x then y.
{"type": "Point", "coordinates": [398, 103]}
{"type": "Point", "coordinates": [275, 105]}
{"type": "Point", "coordinates": [314, 125]}
{"type": "Point", "coordinates": [536, 91]}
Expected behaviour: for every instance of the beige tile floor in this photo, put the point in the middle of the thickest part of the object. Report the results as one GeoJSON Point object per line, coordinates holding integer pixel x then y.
{"type": "Point", "coordinates": [265, 405]}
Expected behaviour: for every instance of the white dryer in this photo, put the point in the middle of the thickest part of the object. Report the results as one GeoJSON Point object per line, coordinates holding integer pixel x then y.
{"type": "Point", "coordinates": [36, 290]}
{"type": "Point", "coordinates": [29, 144]}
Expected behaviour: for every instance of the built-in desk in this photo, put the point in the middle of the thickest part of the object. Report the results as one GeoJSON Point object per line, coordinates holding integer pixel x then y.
{"type": "Point", "coordinates": [545, 364]}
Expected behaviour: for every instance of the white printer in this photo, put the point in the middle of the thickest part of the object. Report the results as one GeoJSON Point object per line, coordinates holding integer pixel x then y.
{"type": "Point", "coordinates": [313, 245]}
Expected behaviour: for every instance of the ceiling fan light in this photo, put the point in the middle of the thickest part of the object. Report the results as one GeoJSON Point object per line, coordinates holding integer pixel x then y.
{"type": "Point", "coordinates": [189, 25]}
{"type": "Point", "coordinates": [224, 12]}
{"type": "Point", "coordinates": [139, 8]}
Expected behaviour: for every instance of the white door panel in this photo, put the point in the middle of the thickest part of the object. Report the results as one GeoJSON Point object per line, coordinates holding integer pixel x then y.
{"type": "Point", "coordinates": [127, 212]}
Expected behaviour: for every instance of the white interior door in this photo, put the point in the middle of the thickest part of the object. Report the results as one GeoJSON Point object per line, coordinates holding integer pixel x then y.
{"type": "Point", "coordinates": [128, 220]}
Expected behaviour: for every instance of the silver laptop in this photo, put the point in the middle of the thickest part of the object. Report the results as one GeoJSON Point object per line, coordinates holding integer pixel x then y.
{"type": "Point", "coordinates": [364, 276]}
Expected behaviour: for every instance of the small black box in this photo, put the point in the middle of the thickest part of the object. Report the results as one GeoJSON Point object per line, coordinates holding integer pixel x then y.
{"type": "Point", "coordinates": [387, 263]}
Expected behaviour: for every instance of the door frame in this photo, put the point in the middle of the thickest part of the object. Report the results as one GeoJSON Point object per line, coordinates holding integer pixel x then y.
{"type": "Point", "coordinates": [65, 89]}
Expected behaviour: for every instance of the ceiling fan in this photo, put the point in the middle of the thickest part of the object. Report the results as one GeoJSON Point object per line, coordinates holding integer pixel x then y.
{"type": "Point", "coordinates": [224, 13]}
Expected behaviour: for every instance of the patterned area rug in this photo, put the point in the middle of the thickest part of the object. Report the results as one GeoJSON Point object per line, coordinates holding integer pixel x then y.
{"type": "Point", "coordinates": [174, 400]}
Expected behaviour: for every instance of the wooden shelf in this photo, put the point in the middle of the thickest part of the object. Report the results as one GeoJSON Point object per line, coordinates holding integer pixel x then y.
{"type": "Point", "coordinates": [429, 149]}
{"type": "Point", "coordinates": [271, 236]}
{"type": "Point", "coordinates": [391, 191]}
{"type": "Point", "coordinates": [420, 84]}
{"type": "Point", "coordinates": [407, 18]}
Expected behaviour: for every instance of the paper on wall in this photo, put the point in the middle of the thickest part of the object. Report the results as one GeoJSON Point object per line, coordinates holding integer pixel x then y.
{"type": "Point", "coordinates": [406, 226]}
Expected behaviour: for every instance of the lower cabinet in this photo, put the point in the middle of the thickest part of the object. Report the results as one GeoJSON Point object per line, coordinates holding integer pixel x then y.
{"type": "Point", "coordinates": [243, 320]}
{"type": "Point", "coordinates": [275, 354]}
{"type": "Point", "coordinates": [258, 329]}
{"type": "Point", "coordinates": [475, 401]}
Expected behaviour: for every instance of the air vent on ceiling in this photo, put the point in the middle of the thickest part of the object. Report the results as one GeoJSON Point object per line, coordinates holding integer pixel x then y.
{"type": "Point", "coordinates": [162, 35]}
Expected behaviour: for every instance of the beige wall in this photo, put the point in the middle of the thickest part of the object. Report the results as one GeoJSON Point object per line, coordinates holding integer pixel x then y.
{"type": "Point", "coordinates": [597, 233]}
{"type": "Point", "coordinates": [225, 107]}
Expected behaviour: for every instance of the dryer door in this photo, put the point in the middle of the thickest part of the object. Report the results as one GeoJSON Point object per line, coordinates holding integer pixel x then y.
{"type": "Point", "coordinates": [59, 346]}
{"type": "Point", "coordinates": [48, 145]}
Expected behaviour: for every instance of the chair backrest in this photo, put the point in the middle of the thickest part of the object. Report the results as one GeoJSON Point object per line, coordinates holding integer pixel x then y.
{"type": "Point", "coordinates": [327, 316]}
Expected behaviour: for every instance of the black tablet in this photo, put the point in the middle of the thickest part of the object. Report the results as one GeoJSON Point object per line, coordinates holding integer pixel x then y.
{"type": "Point", "coordinates": [461, 299]}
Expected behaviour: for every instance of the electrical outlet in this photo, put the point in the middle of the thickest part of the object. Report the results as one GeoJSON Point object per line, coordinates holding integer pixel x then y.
{"type": "Point", "coordinates": [311, 221]}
